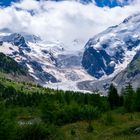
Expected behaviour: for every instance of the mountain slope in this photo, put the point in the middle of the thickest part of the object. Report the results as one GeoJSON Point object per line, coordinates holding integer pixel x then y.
{"type": "Point", "coordinates": [8, 65]}
{"type": "Point", "coordinates": [12, 70]}
{"type": "Point", "coordinates": [112, 50]}
{"type": "Point", "coordinates": [47, 62]}
{"type": "Point", "coordinates": [113, 56]}
{"type": "Point", "coordinates": [130, 75]}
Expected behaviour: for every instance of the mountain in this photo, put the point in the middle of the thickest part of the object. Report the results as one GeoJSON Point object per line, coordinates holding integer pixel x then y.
{"type": "Point", "coordinates": [16, 46]}
{"type": "Point", "coordinates": [47, 62]}
{"type": "Point", "coordinates": [113, 56]}
{"type": "Point", "coordinates": [112, 50]}
{"type": "Point", "coordinates": [105, 57]}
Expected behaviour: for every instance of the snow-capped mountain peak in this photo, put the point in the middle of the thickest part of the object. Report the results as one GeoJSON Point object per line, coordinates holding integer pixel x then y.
{"type": "Point", "coordinates": [112, 50]}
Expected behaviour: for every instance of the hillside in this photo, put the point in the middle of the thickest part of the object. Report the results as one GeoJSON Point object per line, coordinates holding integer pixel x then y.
{"type": "Point", "coordinates": [11, 69]}
{"type": "Point", "coordinates": [31, 112]}
{"type": "Point", "coordinates": [9, 65]}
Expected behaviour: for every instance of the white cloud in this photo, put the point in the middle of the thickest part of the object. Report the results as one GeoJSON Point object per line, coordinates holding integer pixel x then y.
{"type": "Point", "coordinates": [28, 5]}
{"type": "Point", "coordinates": [64, 21]}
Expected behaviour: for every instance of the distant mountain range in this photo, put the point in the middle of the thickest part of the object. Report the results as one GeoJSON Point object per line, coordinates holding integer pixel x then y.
{"type": "Point", "coordinates": [110, 56]}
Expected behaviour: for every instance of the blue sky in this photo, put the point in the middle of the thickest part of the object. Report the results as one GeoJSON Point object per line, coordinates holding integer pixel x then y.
{"type": "Point", "coordinates": [100, 3]}
{"type": "Point", "coordinates": [110, 3]}
{"type": "Point", "coordinates": [6, 2]}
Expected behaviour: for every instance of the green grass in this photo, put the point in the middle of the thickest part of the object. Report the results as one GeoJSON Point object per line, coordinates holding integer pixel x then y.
{"type": "Point", "coordinates": [121, 128]}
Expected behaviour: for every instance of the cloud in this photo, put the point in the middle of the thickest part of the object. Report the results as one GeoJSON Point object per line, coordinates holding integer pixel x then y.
{"type": "Point", "coordinates": [28, 5]}
{"type": "Point", "coordinates": [62, 21]}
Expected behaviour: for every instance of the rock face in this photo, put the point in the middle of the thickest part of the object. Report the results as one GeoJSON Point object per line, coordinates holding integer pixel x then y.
{"type": "Point", "coordinates": [17, 40]}
{"type": "Point", "coordinates": [97, 63]}
{"type": "Point", "coordinates": [130, 75]}
{"type": "Point", "coordinates": [112, 50]}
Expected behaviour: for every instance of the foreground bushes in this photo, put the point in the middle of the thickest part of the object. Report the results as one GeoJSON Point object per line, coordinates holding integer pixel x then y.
{"type": "Point", "coordinates": [53, 108]}
{"type": "Point", "coordinates": [60, 114]}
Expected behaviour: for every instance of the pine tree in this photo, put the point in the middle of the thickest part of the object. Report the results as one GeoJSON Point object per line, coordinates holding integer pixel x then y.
{"type": "Point", "coordinates": [113, 97]}
{"type": "Point", "coordinates": [136, 101]}
{"type": "Point", "coordinates": [128, 97]}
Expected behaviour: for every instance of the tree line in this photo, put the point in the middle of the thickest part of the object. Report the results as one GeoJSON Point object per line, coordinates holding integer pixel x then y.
{"type": "Point", "coordinates": [129, 98]}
